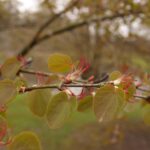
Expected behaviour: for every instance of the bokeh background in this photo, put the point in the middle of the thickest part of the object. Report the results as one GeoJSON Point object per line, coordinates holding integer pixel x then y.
{"type": "Point", "coordinates": [121, 43]}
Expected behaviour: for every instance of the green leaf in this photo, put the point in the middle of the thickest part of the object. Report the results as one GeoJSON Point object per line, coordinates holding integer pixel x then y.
{"type": "Point", "coordinates": [85, 103]}
{"type": "Point", "coordinates": [108, 102]}
{"type": "Point", "coordinates": [25, 141]}
{"type": "Point", "coordinates": [115, 75]}
{"type": "Point", "coordinates": [59, 110]}
{"type": "Point", "coordinates": [10, 68]}
{"type": "Point", "coordinates": [73, 101]}
{"type": "Point", "coordinates": [38, 101]}
{"type": "Point", "coordinates": [59, 63]}
{"type": "Point", "coordinates": [145, 114]}
{"type": "Point", "coordinates": [7, 91]}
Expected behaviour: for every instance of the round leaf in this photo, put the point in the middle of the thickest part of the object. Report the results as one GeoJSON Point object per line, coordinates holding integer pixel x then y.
{"type": "Point", "coordinates": [73, 101]}
{"type": "Point", "coordinates": [85, 103]}
{"type": "Point", "coordinates": [25, 141]}
{"type": "Point", "coordinates": [115, 75]}
{"type": "Point", "coordinates": [108, 102]}
{"type": "Point", "coordinates": [7, 91]}
{"type": "Point", "coordinates": [59, 63]}
{"type": "Point", "coordinates": [59, 110]}
{"type": "Point", "coordinates": [10, 68]}
{"type": "Point", "coordinates": [38, 101]}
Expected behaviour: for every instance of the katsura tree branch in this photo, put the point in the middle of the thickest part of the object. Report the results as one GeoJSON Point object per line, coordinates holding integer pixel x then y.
{"type": "Point", "coordinates": [46, 74]}
{"type": "Point", "coordinates": [33, 42]}
{"type": "Point", "coordinates": [57, 86]}
{"type": "Point", "coordinates": [87, 85]}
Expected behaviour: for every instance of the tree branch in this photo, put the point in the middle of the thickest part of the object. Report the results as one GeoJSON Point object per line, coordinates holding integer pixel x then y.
{"type": "Point", "coordinates": [143, 90]}
{"type": "Point", "coordinates": [86, 22]}
{"type": "Point", "coordinates": [80, 83]}
{"type": "Point", "coordinates": [142, 97]}
{"type": "Point", "coordinates": [33, 42]}
{"type": "Point", "coordinates": [85, 85]}
{"type": "Point", "coordinates": [57, 86]}
{"type": "Point", "coordinates": [38, 40]}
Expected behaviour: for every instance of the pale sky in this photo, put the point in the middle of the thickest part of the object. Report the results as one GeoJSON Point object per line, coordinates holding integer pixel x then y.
{"type": "Point", "coordinates": [28, 5]}
{"type": "Point", "coordinates": [32, 5]}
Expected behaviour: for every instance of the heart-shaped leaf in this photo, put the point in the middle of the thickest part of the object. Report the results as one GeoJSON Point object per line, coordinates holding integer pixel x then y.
{"type": "Point", "coordinates": [59, 63]}
{"type": "Point", "coordinates": [10, 68]}
{"type": "Point", "coordinates": [59, 110]}
{"type": "Point", "coordinates": [85, 103]}
{"type": "Point", "coordinates": [115, 75]}
{"type": "Point", "coordinates": [7, 91]}
{"type": "Point", "coordinates": [25, 141]}
{"type": "Point", "coordinates": [108, 102]}
{"type": "Point", "coordinates": [73, 101]}
{"type": "Point", "coordinates": [38, 101]}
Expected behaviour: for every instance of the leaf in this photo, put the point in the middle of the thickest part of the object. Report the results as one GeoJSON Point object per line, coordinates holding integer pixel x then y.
{"type": "Point", "coordinates": [25, 141]}
{"type": "Point", "coordinates": [73, 101]}
{"type": "Point", "coordinates": [10, 68]}
{"type": "Point", "coordinates": [60, 63]}
{"type": "Point", "coordinates": [38, 101]}
{"type": "Point", "coordinates": [145, 114]}
{"type": "Point", "coordinates": [3, 128]}
{"type": "Point", "coordinates": [131, 91]}
{"type": "Point", "coordinates": [114, 75]}
{"type": "Point", "coordinates": [85, 103]}
{"type": "Point", "coordinates": [108, 102]}
{"type": "Point", "coordinates": [7, 91]}
{"type": "Point", "coordinates": [58, 111]}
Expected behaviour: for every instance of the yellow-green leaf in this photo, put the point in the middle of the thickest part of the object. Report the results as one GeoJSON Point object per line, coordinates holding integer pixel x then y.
{"type": "Point", "coordinates": [108, 102]}
{"type": "Point", "coordinates": [115, 75]}
{"type": "Point", "coordinates": [38, 101]}
{"type": "Point", "coordinates": [58, 111]}
{"type": "Point", "coordinates": [73, 101]}
{"type": "Point", "coordinates": [7, 91]}
{"type": "Point", "coordinates": [59, 63]}
{"type": "Point", "coordinates": [25, 141]}
{"type": "Point", "coordinates": [85, 103]}
{"type": "Point", "coordinates": [145, 114]}
{"type": "Point", "coordinates": [10, 68]}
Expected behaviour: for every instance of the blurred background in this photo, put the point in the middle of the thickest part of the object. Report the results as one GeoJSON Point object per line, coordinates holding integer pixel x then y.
{"type": "Point", "coordinates": [120, 42]}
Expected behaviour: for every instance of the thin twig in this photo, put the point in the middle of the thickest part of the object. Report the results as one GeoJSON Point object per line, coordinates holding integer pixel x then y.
{"type": "Point", "coordinates": [87, 85]}
{"type": "Point", "coordinates": [144, 90]}
{"type": "Point", "coordinates": [56, 86]}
